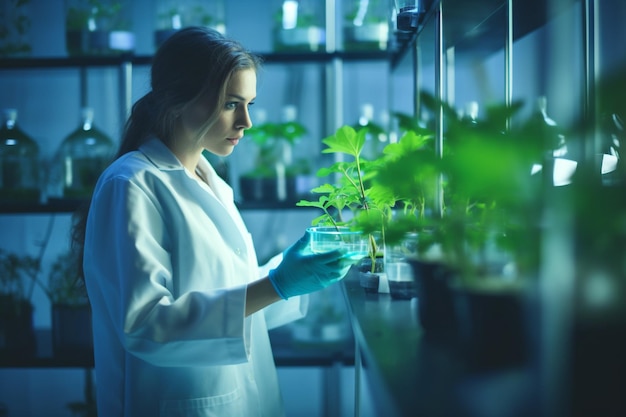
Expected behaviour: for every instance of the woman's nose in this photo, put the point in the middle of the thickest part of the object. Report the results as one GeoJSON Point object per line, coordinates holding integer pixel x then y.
{"type": "Point", "coordinates": [243, 120]}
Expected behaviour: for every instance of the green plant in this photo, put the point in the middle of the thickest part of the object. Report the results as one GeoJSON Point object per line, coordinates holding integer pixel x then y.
{"type": "Point", "coordinates": [18, 277]}
{"type": "Point", "coordinates": [353, 189]}
{"type": "Point", "coordinates": [64, 284]}
{"type": "Point", "coordinates": [273, 140]}
{"type": "Point", "coordinates": [14, 27]}
{"type": "Point", "coordinates": [96, 12]}
{"type": "Point", "coordinates": [490, 199]}
{"type": "Point", "coordinates": [408, 170]}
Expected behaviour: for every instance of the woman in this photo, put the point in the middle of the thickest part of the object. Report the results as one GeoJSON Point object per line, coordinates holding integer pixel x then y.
{"type": "Point", "coordinates": [180, 307]}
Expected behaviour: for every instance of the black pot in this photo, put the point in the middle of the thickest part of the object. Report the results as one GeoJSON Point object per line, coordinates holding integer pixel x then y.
{"type": "Point", "coordinates": [17, 335]}
{"type": "Point", "coordinates": [256, 189]}
{"type": "Point", "coordinates": [72, 335]}
{"type": "Point", "coordinates": [368, 279]}
{"type": "Point", "coordinates": [434, 299]}
{"type": "Point", "coordinates": [492, 326]}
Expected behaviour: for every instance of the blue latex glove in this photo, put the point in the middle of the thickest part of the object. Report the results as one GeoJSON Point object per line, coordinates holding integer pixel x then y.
{"type": "Point", "coordinates": [303, 272]}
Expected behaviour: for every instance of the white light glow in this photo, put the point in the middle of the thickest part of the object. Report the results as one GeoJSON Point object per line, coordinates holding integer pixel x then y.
{"type": "Point", "coordinates": [290, 14]}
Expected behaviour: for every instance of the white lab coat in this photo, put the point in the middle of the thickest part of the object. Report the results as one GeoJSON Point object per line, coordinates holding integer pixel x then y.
{"type": "Point", "coordinates": [167, 260]}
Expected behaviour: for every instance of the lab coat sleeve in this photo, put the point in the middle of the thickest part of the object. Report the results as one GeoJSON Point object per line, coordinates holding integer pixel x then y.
{"type": "Point", "coordinates": [129, 285]}
{"type": "Point", "coordinates": [284, 311]}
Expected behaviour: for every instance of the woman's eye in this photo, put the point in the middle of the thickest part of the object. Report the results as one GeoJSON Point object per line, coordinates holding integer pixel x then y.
{"type": "Point", "coordinates": [231, 106]}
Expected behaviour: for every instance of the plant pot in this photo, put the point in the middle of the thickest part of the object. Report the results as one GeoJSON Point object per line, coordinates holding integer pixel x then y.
{"type": "Point", "coordinates": [398, 269]}
{"type": "Point", "coordinates": [258, 189]}
{"type": "Point", "coordinates": [434, 299]}
{"type": "Point", "coordinates": [72, 335]}
{"type": "Point", "coordinates": [17, 335]}
{"type": "Point", "coordinates": [492, 325]}
{"type": "Point", "coordinates": [368, 279]}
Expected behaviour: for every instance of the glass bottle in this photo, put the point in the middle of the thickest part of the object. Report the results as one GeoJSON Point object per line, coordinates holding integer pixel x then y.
{"type": "Point", "coordinates": [295, 171]}
{"type": "Point", "coordinates": [15, 24]}
{"type": "Point", "coordinates": [172, 15]}
{"type": "Point", "coordinates": [82, 157]}
{"type": "Point", "coordinates": [300, 26]}
{"type": "Point", "coordinates": [376, 138]}
{"type": "Point", "coordinates": [366, 25]}
{"type": "Point", "coordinates": [98, 27]}
{"type": "Point", "coordinates": [19, 162]}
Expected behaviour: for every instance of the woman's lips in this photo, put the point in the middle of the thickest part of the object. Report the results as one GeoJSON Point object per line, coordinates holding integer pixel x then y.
{"type": "Point", "coordinates": [234, 141]}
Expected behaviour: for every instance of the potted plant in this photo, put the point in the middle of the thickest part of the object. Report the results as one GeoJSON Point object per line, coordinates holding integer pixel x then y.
{"type": "Point", "coordinates": [408, 170]}
{"type": "Point", "coordinates": [17, 281]}
{"type": "Point", "coordinates": [299, 28]}
{"type": "Point", "coordinates": [274, 174]}
{"type": "Point", "coordinates": [489, 224]}
{"type": "Point", "coordinates": [15, 24]}
{"type": "Point", "coordinates": [71, 313]}
{"type": "Point", "coordinates": [352, 197]}
{"type": "Point", "coordinates": [98, 27]}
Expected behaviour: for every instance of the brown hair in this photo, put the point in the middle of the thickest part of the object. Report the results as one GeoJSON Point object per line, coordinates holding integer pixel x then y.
{"type": "Point", "coordinates": [194, 62]}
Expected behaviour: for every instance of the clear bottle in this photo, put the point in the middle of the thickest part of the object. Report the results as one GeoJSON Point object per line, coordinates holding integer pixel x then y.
{"type": "Point", "coordinates": [300, 26]}
{"type": "Point", "coordinates": [19, 162]}
{"type": "Point", "coordinates": [297, 170]}
{"type": "Point", "coordinates": [376, 138]}
{"type": "Point", "coordinates": [172, 15]}
{"type": "Point", "coordinates": [82, 157]}
{"type": "Point", "coordinates": [98, 27]}
{"type": "Point", "coordinates": [365, 25]}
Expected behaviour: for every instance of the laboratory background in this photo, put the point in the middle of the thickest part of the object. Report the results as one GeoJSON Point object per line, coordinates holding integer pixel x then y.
{"type": "Point", "coordinates": [485, 84]}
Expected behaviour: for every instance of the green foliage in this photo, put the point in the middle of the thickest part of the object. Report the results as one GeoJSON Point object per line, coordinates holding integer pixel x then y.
{"type": "Point", "coordinates": [352, 189]}
{"type": "Point", "coordinates": [64, 283]}
{"type": "Point", "coordinates": [489, 195]}
{"type": "Point", "coordinates": [18, 275]}
{"type": "Point", "coordinates": [270, 140]}
{"type": "Point", "coordinates": [77, 18]}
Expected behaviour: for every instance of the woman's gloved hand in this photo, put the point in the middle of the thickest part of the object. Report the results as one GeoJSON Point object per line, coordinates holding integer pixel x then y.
{"type": "Point", "coordinates": [303, 272]}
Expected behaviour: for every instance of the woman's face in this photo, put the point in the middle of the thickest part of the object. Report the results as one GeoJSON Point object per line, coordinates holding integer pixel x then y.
{"type": "Point", "coordinates": [234, 118]}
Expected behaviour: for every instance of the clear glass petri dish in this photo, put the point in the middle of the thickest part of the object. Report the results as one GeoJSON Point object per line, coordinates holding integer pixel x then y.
{"type": "Point", "coordinates": [328, 238]}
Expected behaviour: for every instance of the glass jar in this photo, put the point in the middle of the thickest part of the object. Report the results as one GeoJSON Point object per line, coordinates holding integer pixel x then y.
{"type": "Point", "coordinates": [172, 15]}
{"type": "Point", "coordinates": [398, 267]}
{"type": "Point", "coordinates": [15, 26]}
{"type": "Point", "coordinates": [366, 25]}
{"type": "Point", "coordinates": [80, 160]}
{"type": "Point", "coordinates": [98, 27]}
{"type": "Point", "coordinates": [19, 162]}
{"type": "Point", "coordinates": [299, 26]}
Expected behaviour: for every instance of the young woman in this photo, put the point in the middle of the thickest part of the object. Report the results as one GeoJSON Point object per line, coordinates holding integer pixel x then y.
{"type": "Point", "coordinates": [181, 310]}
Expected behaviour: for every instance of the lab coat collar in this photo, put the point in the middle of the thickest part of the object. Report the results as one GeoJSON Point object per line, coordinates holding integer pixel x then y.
{"type": "Point", "coordinates": [160, 155]}
{"type": "Point", "coordinates": [163, 159]}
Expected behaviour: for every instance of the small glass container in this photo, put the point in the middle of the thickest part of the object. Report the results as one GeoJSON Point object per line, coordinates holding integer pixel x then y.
{"type": "Point", "coordinates": [300, 26]}
{"type": "Point", "coordinates": [172, 15]}
{"type": "Point", "coordinates": [398, 267]}
{"type": "Point", "coordinates": [328, 238]}
{"type": "Point", "coordinates": [19, 162]}
{"type": "Point", "coordinates": [366, 25]}
{"type": "Point", "coordinates": [94, 28]}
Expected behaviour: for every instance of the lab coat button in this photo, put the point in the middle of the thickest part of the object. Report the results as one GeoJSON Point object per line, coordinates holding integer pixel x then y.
{"type": "Point", "coordinates": [238, 251]}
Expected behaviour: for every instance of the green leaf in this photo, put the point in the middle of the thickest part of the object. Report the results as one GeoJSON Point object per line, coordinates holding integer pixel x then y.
{"type": "Point", "coordinates": [346, 140]}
